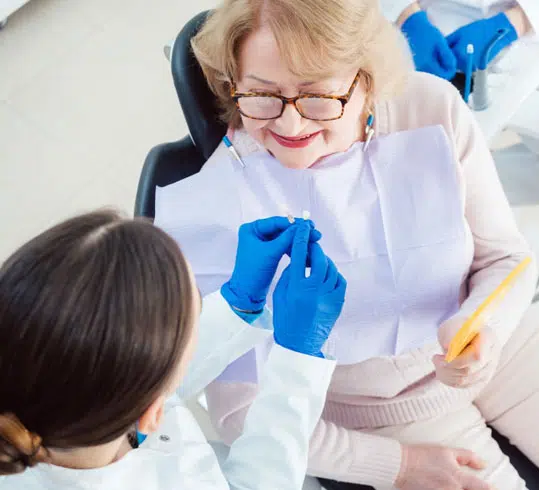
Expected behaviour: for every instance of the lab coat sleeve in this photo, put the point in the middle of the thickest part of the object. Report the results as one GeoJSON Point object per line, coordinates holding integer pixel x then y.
{"type": "Point", "coordinates": [531, 9]}
{"type": "Point", "coordinates": [222, 338]}
{"type": "Point", "coordinates": [335, 453]}
{"type": "Point", "coordinates": [272, 452]}
{"type": "Point", "coordinates": [393, 8]}
{"type": "Point", "coordinates": [498, 244]}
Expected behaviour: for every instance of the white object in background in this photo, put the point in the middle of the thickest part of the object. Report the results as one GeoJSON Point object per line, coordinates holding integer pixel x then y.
{"type": "Point", "coordinates": [167, 49]}
{"type": "Point", "coordinates": [526, 122]}
{"type": "Point", "coordinates": [511, 84]}
{"type": "Point", "coordinates": [7, 7]}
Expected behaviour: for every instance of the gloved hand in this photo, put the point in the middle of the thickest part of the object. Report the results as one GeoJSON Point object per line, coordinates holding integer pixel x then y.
{"type": "Point", "coordinates": [488, 36]}
{"type": "Point", "coordinates": [261, 245]}
{"type": "Point", "coordinates": [429, 47]}
{"type": "Point", "coordinates": [305, 309]}
{"type": "Point", "coordinates": [474, 365]}
{"type": "Point", "coordinates": [439, 468]}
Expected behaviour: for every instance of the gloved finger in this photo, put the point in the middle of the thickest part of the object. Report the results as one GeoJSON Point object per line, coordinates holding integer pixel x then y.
{"type": "Point", "coordinates": [284, 280]}
{"type": "Point", "coordinates": [332, 275]}
{"type": "Point", "coordinates": [282, 244]}
{"type": "Point", "coordinates": [300, 250]}
{"type": "Point", "coordinates": [461, 55]}
{"type": "Point", "coordinates": [314, 237]}
{"type": "Point", "coordinates": [453, 39]}
{"type": "Point", "coordinates": [270, 228]}
{"type": "Point", "coordinates": [341, 285]}
{"type": "Point", "coordinates": [447, 61]}
{"type": "Point", "coordinates": [319, 263]}
{"type": "Point", "coordinates": [315, 234]}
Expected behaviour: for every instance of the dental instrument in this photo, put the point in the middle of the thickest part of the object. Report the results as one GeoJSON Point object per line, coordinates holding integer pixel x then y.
{"type": "Point", "coordinates": [232, 150]}
{"type": "Point", "coordinates": [369, 131]}
{"type": "Point", "coordinates": [469, 72]}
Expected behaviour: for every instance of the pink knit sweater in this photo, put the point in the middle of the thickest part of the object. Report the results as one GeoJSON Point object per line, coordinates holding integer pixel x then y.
{"type": "Point", "coordinates": [387, 391]}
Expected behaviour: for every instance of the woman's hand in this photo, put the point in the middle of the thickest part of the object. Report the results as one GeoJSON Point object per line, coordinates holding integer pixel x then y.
{"type": "Point", "coordinates": [261, 246]}
{"type": "Point", "coordinates": [305, 309]}
{"type": "Point", "coordinates": [474, 365]}
{"type": "Point", "coordinates": [439, 468]}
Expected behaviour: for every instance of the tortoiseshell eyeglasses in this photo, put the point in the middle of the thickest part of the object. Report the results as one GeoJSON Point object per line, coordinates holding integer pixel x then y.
{"type": "Point", "coordinates": [266, 105]}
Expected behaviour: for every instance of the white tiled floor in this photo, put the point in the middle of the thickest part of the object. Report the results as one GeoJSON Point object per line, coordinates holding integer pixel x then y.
{"type": "Point", "coordinates": [85, 92]}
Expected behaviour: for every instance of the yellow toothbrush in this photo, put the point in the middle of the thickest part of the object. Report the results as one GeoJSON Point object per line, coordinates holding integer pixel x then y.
{"type": "Point", "coordinates": [473, 325]}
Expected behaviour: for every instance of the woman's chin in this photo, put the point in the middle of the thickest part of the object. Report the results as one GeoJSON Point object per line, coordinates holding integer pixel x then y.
{"type": "Point", "coordinates": [298, 159]}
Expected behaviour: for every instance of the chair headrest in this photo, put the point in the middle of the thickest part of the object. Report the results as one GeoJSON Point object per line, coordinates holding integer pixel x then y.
{"type": "Point", "coordinates": [198, 103]}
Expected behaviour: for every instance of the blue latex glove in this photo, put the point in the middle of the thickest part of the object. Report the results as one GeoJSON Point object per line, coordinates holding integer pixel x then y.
{"type": "Point", "coordinates": [429, 47]}
{"type": "Point", "coordinates": [305, 309]}
{"type": "Point", "coordinates": [488, 36]}
{"type": "Point", "coordinates": [261, 246]}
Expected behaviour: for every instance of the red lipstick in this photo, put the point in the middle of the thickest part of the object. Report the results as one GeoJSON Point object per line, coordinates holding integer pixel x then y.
{"type": "Point", "coordinates": [295, 141]}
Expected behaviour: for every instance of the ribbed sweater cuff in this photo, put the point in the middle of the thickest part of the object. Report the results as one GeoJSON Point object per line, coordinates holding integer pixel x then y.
{"type": "Point", "coordinates": [381, 463]}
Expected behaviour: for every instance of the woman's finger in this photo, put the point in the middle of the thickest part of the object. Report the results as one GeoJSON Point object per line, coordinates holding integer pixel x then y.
{"type": "Point", "coordinates": [467, 358]}
{"type": "Point", "coordinates": [456, 379]}
{"type": "Point", "coordinates": [468, 458]}
{"type": "Point", "coordinates": [472, 482]}
{"type": "Point", "coordinates": [441, 363]}
{"type": "Point", "coordinates": [475, 378]}
{"type": "Point", "coordinates": [449, 380]}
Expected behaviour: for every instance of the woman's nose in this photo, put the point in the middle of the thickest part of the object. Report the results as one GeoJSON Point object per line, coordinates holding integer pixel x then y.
{"type": "Point", "coordinates": [291, 122]}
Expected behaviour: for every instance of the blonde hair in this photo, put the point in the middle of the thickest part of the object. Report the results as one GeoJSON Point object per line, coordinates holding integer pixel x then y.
{"type": "Point", "coordinates": [316, 38]}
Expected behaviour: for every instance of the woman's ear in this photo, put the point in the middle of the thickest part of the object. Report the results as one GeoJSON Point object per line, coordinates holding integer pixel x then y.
{"type": "Point", "coordinates": [152, 417]}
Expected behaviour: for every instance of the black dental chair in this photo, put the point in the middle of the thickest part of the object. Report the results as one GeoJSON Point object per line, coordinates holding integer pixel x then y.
{"type": "Point", "coordinates": [170, 162]}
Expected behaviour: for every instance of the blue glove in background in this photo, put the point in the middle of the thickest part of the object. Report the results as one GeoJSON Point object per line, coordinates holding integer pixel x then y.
{"type": "Point", "coordinates": [305, 309]}
{"type": "Point", "coordinates": [482, 34]}
{"type": "Point", "coordinates": [261, 245]}
{"type": "Point", "coordinates": [429, 47]}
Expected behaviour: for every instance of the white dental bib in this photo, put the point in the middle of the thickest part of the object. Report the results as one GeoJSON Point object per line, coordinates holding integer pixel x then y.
{"type": "Point", "coordinates": [392, 220]}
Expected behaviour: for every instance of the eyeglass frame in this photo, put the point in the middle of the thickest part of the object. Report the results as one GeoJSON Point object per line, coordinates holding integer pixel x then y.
{"type": "Point", "coordinates": [343, 99]}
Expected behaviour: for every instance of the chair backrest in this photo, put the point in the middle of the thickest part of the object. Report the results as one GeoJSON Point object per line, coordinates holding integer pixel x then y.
{"type": "Point", "coordinates": [170, 162]}
{"type": "Point", "coordinates": [198, 103]}
{"type": "Point", "coordinates": [165, 164]}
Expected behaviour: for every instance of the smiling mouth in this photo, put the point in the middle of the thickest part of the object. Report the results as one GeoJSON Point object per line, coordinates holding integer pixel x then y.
{"type": "Point", "coordinates": [295, 141]}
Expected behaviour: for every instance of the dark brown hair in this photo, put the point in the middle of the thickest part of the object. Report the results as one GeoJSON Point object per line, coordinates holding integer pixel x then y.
{"type": "Point", "coordinates": [94, 316]}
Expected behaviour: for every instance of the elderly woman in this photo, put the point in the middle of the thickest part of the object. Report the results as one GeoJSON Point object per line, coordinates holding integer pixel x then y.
{"type": "Point", "coordinates": [328, 116]}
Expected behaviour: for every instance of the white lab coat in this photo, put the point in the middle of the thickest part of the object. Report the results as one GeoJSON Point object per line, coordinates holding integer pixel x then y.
{"type": "Point", "coordinates": [449, 15]}
{"type": "Point", "coordinates": [272, 452]}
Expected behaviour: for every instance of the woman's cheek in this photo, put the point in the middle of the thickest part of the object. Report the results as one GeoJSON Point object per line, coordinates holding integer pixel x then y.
{"type": "Point", "coordinates": [252, 126]}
